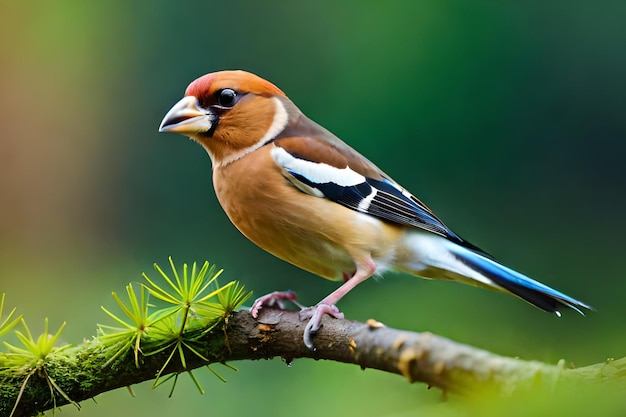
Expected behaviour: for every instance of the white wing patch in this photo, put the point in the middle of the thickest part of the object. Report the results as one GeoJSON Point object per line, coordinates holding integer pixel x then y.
{"type": "Point", "coordinates": [317, 172]}
{"type": "Point", "coordinates": [364, 205]}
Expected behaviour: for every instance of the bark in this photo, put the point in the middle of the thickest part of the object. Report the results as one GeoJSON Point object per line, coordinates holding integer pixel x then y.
{"type": "Point", "coordinates": [456, 368]}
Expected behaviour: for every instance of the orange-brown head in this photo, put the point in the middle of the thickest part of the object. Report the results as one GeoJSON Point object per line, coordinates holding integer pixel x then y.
{"type": "Point", "coordinates": [230, 113]}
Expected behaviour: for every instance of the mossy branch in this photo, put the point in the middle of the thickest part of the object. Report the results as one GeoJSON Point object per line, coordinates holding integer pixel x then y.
{"type": "Point", "coordinates": [456, 368]}
{"type": "Point", "coordinates": [171, 341]}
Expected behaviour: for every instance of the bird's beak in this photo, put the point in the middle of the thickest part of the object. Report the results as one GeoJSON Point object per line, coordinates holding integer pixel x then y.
{"type": "Point", "coordinates": [187, 117]}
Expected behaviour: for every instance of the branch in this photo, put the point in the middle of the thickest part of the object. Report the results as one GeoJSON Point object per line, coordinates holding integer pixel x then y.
{"type": "Point", "coordinates": [424, 357]}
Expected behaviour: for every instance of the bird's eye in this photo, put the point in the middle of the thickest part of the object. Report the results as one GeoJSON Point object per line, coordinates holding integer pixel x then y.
{"type": "Point", "coordinates": [227, 97]}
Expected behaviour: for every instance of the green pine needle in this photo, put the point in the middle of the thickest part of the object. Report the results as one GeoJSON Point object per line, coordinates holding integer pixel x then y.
{"type": "Point", "coordinates": [7, 324]}
{"type": "Point", "coordinates": [40, 348]}
{"type": "Point", "coordinates": [140, 321]}
{"type": "Point", "coordinates": [35, 352]}
{"type": "Point", "coordinates": [193, 304]}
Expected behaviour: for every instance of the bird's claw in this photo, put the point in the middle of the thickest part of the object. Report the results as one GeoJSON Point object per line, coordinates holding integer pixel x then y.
{"type": "Point", "coordinates": [272, 299]}
{"type": "Point", "coordinates": [315, 315]}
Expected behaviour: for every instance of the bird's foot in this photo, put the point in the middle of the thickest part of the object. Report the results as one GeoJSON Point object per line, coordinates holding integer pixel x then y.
{"type": "Point", "coordinates": [276, 298]}
{"type": "Point", "coordinates": [315, 315]}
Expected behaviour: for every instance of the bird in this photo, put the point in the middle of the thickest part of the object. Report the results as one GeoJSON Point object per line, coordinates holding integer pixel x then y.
{"type": "Point", "coordinates": [302, 194]}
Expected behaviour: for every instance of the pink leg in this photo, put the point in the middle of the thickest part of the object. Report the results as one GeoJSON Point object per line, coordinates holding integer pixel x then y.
{"type": "Point", "coordinates": [274, 298]}
{"type": "Point", "coordinates": [327, 305]}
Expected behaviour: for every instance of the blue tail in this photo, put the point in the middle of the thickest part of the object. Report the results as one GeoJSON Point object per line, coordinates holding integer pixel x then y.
{"type": "Point", "coordinates": [534, 292]}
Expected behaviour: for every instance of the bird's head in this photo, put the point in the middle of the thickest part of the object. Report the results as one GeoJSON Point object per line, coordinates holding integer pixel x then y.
{"type": "Point", "coordinates": [230, 113]}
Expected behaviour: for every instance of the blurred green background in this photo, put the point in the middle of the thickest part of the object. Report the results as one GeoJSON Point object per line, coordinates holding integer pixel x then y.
{"type": "Point", "coordinates": [506, 118]}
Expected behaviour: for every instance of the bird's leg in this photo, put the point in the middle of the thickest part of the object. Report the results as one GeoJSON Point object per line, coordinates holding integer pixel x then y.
{"type": "Point", "coordinates": [274, 298]}
{"type": "Point", "coordinates": [327, 305]}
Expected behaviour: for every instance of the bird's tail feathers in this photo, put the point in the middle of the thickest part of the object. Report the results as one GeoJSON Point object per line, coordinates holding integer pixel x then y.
{"type": "Point", "coordinates": [531, 291]}
{"type": "Point", "coordinates": [436, 257]}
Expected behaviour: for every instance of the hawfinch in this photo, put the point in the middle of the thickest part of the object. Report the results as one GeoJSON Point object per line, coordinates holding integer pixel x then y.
{"type": "Point", "coordinates": [303, 195]}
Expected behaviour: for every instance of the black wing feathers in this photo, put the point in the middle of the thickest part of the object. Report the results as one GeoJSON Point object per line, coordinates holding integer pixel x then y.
{"type": "Point", "coordinates": [388, 203]}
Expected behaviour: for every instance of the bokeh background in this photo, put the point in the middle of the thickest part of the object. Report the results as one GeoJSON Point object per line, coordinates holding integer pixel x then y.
{"type": "Point", "coordinates": [506, 118]}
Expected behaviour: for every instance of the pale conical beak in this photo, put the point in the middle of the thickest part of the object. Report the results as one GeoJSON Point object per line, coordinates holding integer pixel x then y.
{"type": "Point", "coordinates": [187, 117]}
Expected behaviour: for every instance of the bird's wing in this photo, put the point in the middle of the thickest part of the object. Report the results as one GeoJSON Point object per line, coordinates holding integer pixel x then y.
{"type": "Point", "coordinates": [333, 170]}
